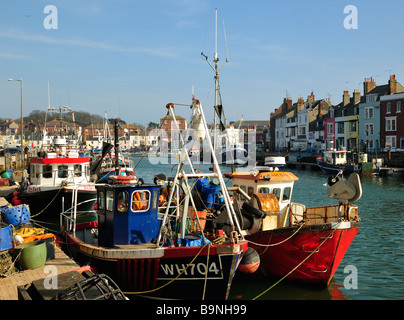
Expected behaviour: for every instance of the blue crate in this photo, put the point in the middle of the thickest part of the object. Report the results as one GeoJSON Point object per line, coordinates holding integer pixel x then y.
{"type": "Point", "coordinates": [15, 215]}
{"type": "Point", "coordinates": [6, 241]}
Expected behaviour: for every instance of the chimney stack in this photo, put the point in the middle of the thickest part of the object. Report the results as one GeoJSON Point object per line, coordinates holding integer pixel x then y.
{"type": "Point", "coordinates": [357, 96]}
{"type": "Point", "coordinates": [287, 102]}
{"type": "Point", "coordinates": [300, 104]}
{"type": "Point", "coordinates": [368, 85]}
{"type": "Point", "coordinates": [310, 98]}
{"type": "Point", "coordinates": [393, 84]}
{"type": "Point", "coordinates": [345, 98]}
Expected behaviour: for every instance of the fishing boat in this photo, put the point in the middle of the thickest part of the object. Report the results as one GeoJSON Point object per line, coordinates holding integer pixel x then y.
{"type": "Point", "coordinates": [108, 167]}
{"type": "Point", "coordinates": [151, 239]}
{"type": "Point", "coordinates": [294, 241]}
{"type": "Point", "coordinates": [332, 161]}
{"type": "Point", "coordinates": [105, 162]}
{"type": "Point", "coordinates": [54, 175]}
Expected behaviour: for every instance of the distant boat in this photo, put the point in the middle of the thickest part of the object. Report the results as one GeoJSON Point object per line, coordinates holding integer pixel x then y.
{"type": "Point", "coordinates": [334, 161]}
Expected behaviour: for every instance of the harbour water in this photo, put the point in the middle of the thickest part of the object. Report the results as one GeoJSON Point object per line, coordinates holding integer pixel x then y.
{"type": "Point", "coordinates": [372, 264]}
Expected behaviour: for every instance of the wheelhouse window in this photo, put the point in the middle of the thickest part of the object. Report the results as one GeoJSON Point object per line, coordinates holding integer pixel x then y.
{"type": "Point", "coordinates": [122, 201]}
{"type": "Point", "coordinates": [264, 190]}
{"type": "Point", "coordinates": [77, 170]}
{"type": "Point", "coordinates": [62, 171]}
{"type": "Point", "coordinates": [241, 195]}
{"type": "Point", "coordinates": [110, 200]}
{"type": "Point", "coordinates": [155, 199]}
{"type": "Point", "coordinates": [277, 192]}
{"type": "Point", "coordinates": [47, 171]}
{"type": "Point", "coordinates": [140, 200]}
{"type": "Point", "coordinates": [286, 194]}
{"type": "Point", "coordinates": [101, 200]}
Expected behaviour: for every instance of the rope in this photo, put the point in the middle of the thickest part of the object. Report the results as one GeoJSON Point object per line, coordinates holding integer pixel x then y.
{"type": "Point", "coordinates": [217, 240]}
{"type": "Point", "coordinates": [47, 205]}
{"type": "Point", "coordinates": [206, 273]}
{"type": "Point", "coordinates": [276, 244]}
{"type": "Point", "coordinates": [284, 277]}
{"type": "Point", "coordinates": [171, 281]}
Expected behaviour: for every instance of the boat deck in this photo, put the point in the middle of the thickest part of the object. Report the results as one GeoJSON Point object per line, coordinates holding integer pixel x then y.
{"type": "Point", "coordinates": [8, 285]}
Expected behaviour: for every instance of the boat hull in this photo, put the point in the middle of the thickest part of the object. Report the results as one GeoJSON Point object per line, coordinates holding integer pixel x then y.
{"type": "Point", "coordinates": [334, 169]}
{"type": "Point", "coordinates": [289, 247]}
{"type": "Point", "coordinates": [141, 269]}
{"type": "Point", "coordinates": [47, 204]}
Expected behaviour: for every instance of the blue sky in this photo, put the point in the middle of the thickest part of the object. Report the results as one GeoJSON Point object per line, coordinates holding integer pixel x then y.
{"type": "Point", "coordinates": [130, 58]}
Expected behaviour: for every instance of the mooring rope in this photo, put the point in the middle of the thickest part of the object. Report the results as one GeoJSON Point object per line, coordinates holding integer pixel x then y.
{"type": "Point", "coordinates": [276, 244]}
{"type": "Point", "coordinates": [217, 240]}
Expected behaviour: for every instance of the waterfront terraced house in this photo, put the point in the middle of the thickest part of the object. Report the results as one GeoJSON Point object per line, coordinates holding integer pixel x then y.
{"type": "Point", "coordinates": [370, 120]}
{"type": "Point", "coordinates": [346, 121]}
{"type": "Point", "coordinates": [278, 120]}
{"type": "Point", "coordinates": [392, 122]}
{"type": "Point", "coordinates": [329, 129]}
{"type": "Point", "coordinates": [290, 124]}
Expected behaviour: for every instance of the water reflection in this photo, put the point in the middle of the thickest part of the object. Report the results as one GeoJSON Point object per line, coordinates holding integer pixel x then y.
{"type": "Point", "coordinates": [247, 287]}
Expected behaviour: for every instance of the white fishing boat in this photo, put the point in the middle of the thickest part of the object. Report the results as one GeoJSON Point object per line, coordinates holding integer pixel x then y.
{"type": "Point", "coordinates": [54, 175]}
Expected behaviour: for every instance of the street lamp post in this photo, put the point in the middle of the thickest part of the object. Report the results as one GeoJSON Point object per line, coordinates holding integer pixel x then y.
{"type": "Point", "coordinates": [22, 123]}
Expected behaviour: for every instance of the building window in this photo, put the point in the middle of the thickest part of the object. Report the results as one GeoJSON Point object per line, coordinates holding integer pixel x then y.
{"type": "Point", "coordinates": [388, 107]}
{"type": "Point", "coordinates": [330, 128]}
{"type": "Point", "coordinates": [398, 107]}
{"type": "Point", "coordinates": [371, 97]}
{"type": "Point", "coordinates": [369, 113]}
{"type": "Point", "coordinates": [391, 124]}
{"type": "Point", "coordinates": [340, 127]}
{"type": "Point", "coordinates": [369, 144]}
{"type": "Point", "coordinates": [401, 142]}
{"type": "Point", "coordinates": [390, 142]}
{"type": "Point", "coordinates": [368, 129]}
{"type": "Point", "coordinates": [352, 126]}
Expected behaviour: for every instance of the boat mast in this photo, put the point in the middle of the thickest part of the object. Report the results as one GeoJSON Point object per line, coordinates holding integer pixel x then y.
{"type": "Point", "coordinates": [116, 138]}
{"type": "Point", "coordinates": [216, 70]}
